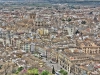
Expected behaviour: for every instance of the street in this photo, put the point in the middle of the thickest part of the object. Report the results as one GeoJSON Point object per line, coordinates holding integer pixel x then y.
{"type": "Point", "coordinates": [56, 66]}
{"type": "Point", "coordinates": [51, 63]}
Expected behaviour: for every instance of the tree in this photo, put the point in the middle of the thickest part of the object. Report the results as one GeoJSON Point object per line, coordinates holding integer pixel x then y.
{"type": "Point", "coordinates": [77, 32]}
{"type": "Point", "coordinates": [63, 72]}
{"type": "Point", "coordinates": [69, 19]}
{"type": "Point", "coordinates": [53, 70]}
{"type": "Point", "coordinates": [63, 20]}
{"type": "Point", "coordinates": [33, 72]}
{"type": "Point", "coordinates": [91, 13]}
{"type": "Point", "coordinates": [20, 69]}
{"type": "Point", "coordinates": [1, 66]}
{"type": "Point", "coordinates": [45, 72]}
{"type": "Point", "coordinates": [83, 22]}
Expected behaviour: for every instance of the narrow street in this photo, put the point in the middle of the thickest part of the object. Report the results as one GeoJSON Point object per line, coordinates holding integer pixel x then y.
{"type": "Point", "coordinates": [56, 66]}
{"type": "Point", "coordinates": [50, 63]}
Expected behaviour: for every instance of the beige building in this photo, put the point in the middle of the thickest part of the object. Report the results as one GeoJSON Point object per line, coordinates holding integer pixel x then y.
{"type": "Point", "coordinates": [67, 60]}
{"type": "Point", "coordinates": [91, 50]}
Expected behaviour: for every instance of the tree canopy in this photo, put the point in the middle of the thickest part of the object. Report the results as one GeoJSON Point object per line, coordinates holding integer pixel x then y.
{"type": "Point", "coordinates": [63, 72]}
{"type": "Point", "coordinates": [45, 72]}
{"type": "Point", "coordinates": [83, 22]}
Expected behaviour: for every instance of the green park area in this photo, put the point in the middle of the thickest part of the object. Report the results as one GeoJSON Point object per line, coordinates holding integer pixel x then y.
{"type": "Point", "coordinates": [35, 71]}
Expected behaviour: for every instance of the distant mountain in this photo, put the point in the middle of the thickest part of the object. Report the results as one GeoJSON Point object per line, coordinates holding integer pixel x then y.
{"type": "Point", "coordinates": [55, 1]}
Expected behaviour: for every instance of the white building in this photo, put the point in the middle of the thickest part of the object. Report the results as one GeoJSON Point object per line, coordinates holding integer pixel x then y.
{"type": "Point", "coordinates": [70, 29]}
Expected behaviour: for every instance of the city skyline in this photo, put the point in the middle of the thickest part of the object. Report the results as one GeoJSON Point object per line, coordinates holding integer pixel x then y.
{"type": "Point", "coordinates": [49, 37]}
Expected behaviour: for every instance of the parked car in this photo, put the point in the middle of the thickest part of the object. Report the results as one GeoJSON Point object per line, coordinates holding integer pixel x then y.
{"type": "Point", "coordinates": [57, 73]}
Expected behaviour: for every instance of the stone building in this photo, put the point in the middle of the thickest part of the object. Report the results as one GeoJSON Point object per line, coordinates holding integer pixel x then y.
{"type": "Point", "coordinates": [68, 60]}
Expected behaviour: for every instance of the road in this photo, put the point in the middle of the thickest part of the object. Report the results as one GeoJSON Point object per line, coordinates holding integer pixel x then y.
{"type": "Point", "coordinates": [48, 63]}
{"type": "Point", "coordinates": [57, 67]}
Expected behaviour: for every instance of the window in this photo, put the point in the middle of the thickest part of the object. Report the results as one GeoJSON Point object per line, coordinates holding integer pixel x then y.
{"type": "Point", "coordinates": [84, 51]}
{"type": "Point", "coordinates": [90, 52]}
{"type": "Point", "coordinates": [71, 30]}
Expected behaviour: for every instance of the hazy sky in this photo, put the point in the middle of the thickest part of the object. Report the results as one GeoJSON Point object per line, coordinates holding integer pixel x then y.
{"type": "Point", "coordinates": [49, 0]}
